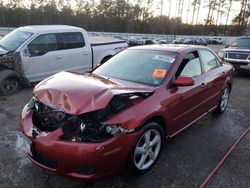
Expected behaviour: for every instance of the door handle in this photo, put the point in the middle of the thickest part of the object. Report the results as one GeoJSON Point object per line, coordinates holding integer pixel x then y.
{"type": "Point", "coordinates": [59, 57]}
{"type": "Point", "coordinates": [85, 53]}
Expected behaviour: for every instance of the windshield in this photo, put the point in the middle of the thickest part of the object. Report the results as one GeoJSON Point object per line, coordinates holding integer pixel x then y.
{"type": "Point", "coordinates": [146, 67]}
{"type": "Point", "coordinates": [14, 39]}
{"type": "Point", "coordinates": [241, 42]}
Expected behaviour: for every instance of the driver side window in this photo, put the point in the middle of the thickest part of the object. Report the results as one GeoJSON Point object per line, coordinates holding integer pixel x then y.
{"type": "Point", "coordinates": [43, 44]}
{"type": "Point", "coordinates": [190, 65]}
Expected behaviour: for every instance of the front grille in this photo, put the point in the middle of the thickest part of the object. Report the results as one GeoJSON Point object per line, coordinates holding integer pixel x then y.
{"type": "Point", "coordinates": [46, 118]}
{"type": "Point", "coordinates": [238, 56]}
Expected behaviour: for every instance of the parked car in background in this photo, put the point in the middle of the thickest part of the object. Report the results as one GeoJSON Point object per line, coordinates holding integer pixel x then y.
{"type": "Point", "coordinates": [32, 53]}
{"type": "Point", "coordinates": [203, 41]}
{"type": "Point", "coordinates": [215, 40]}
{"type": "Point", "coordinates": [178, 41]}
{"type": "Point", "coordinates": [134, 41]}
{"type": "Point", "coordinates": [191, 41]}
{"type": "Point", "coordinates": [238, 53]}
{"type": "Point", "coordinates": [91, 125]}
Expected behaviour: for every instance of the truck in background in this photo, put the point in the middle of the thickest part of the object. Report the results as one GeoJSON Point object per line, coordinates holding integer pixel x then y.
{"type": "Point", "coordinates": [32, 53]}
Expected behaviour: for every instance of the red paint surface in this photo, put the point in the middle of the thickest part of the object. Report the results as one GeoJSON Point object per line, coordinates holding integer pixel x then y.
{"type": "Point", "coordinates": [75, 94]}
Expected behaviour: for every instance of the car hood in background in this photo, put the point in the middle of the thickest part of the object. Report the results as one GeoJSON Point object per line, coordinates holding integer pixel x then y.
{"type": "Point", "coordinates": [2, 51]}
{"type": "Point", "coordinates": [76, 93]}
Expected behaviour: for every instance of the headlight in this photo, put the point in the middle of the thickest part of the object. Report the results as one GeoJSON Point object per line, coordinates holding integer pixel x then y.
{"type": "Point", "coordinates": [31, 103]}
{"type": "Point", "coordinates": [114, 129]}
{"type": "Point", "coordinates": [221, 54]}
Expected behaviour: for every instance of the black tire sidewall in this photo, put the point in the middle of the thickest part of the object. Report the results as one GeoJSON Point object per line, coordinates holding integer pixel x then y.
{"type": "Point", "coordinates": [218, 109]}
{"type": "Point", "coordinates": [6, 74]}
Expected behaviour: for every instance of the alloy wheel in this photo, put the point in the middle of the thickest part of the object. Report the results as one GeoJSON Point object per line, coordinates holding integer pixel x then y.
{"type": "Point", "coordinates": [224, 99]}
{"type": "Point", "coordinates": [147, 149]}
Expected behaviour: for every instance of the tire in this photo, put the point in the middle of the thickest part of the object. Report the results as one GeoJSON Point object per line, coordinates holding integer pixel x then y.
{"type": "Point", "coordinates": [236, 68]}
{"type": "Point", "coordinates": [223, 101]}
{"type": "Point", "coordinates": [9, 82]}
{"type": "Point", "coordinates": [147, 149]}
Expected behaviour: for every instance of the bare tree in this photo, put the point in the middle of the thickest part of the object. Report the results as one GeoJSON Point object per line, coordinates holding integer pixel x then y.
{"type": "Point", "coordinates": [169, 8]}
{"type": "Point", "coordinates": [188, 9]}
{"type": "Point", "coordinates": [228, 11]}
{"type": "Point", "coordinates": [198, 11]}
{"type": "Point", "coordinates": [194, 4]}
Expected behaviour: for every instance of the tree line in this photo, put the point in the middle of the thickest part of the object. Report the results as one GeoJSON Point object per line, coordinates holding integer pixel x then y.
{"type": "Point", "coordinates": [128, 16]}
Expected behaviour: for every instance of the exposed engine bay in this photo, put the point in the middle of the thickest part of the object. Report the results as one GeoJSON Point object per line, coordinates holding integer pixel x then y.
{"type": "Point", "coordinates": [11, 60]}
{"type": "Point", "coordinates": [88, 127]}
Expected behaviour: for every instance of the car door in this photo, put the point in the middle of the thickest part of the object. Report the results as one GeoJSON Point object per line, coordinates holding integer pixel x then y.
{"type": "Point", "coordinates": [75, 55]}
{"type": "Point", "coordinates": [215, 78]}
{"type": "Point", "coordinates": [55, 52]}
{"type": "Point", "coordinates": [187, 101]}
{"type": "Point", "coordinates": [41, 57]}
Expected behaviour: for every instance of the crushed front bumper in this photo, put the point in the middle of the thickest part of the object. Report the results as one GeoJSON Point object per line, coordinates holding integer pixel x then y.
{"type": "Point", "coordinates": [88, 161]}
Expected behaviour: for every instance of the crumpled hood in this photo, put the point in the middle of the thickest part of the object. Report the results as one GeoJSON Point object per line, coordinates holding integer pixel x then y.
{"type": "Point", "coordinates": [76, 93]}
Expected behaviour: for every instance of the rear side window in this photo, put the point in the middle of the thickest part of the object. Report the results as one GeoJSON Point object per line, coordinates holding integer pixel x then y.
{"type": "Point", "coordinates": [209, 60]}
{"type": "Point", "coordinates": [43, 44]}
{"type": "Point", "coordinates": [72, 40]}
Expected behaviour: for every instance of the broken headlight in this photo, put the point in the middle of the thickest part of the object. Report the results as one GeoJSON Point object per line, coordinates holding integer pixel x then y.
{"type": "Point", "coordinates": [114, 129]}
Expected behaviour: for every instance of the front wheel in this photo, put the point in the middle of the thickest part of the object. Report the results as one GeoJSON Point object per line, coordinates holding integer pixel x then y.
{"type": "Point", "coordinates": [9, 82]}
{"type": "Point", "coordinates": [223, 101]}
{"type": "Point", "coordinates": [147, 149]}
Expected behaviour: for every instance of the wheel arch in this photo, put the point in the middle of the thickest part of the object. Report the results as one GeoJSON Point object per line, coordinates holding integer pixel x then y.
{"type": "Point", "coordinates": [157, 119]}
{"type": "Point", "coordinates": [106, 58]}
{"type": "Point", "coordinates": [229, 85]}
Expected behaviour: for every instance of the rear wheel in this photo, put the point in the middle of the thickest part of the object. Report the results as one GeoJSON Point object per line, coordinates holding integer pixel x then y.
{"type": "Point", "coordinates": [223, 101]}
{"type": "Point", "coordinates": [147, 149]}
{"type": "Point", "coordinates": [9, 82]}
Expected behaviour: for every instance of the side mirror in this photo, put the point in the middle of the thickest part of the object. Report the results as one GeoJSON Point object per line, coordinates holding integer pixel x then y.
{"type": "Point", "coordinates": [184, 81]}
{"type": "Point", "coordinates": [227, 46]}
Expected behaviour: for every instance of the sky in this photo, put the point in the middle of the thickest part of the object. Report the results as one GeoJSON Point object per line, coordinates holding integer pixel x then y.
{"type": "Point", "coordinates": [186, 15]}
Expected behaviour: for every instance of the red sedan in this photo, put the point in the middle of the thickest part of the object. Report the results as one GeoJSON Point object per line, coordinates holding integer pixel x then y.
{"type": "Point", "coordinates": [93, 125]}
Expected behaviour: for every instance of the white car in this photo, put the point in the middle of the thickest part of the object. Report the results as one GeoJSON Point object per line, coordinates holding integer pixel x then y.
{"type": "Point", "coordinates": [32, 53]}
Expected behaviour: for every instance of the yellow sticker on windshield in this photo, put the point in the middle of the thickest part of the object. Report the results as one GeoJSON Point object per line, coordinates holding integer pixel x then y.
{"type": "Point", "coordinates": [159, 73]}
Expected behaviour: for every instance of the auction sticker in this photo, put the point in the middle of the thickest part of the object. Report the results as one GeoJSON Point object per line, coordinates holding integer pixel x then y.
{"type": "Point", "coordinates": [159, 73]}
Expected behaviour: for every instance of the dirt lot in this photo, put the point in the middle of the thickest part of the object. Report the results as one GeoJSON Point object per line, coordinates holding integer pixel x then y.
{"type": "Point", "coordinates": [185, 162]}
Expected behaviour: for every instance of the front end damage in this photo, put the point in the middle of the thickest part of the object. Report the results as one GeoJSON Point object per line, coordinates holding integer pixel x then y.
{"type": "Point", "coordinates": [80, 145]}
{"type": "Point", "coordinates": [86, 127]}
{"type": "Point", "coordinates": [68, 123]}
{"type": "Point", "coordinates": [11, 60]}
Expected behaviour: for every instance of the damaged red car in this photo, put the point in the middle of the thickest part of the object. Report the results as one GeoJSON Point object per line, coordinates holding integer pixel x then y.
{"type": "Point", "coordinates": [92, 125]}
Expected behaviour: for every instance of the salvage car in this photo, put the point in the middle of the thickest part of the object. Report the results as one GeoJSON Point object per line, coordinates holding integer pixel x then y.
{"type": "Point", "coordinates": [92, 125]}
{"type": "Point", "coordinates": [238, 53]}
{"type": "Point", "coordinates": [32, 53]}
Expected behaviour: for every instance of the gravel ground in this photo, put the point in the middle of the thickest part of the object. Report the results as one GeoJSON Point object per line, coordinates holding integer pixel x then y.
{"type": "Point", "coordinates": [186, 160]}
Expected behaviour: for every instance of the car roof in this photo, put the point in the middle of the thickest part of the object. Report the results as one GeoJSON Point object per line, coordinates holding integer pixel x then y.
{"type": "Point", "coordinates": [168, 47]}
{"type": "Point", "coordinates": [48, 28]}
